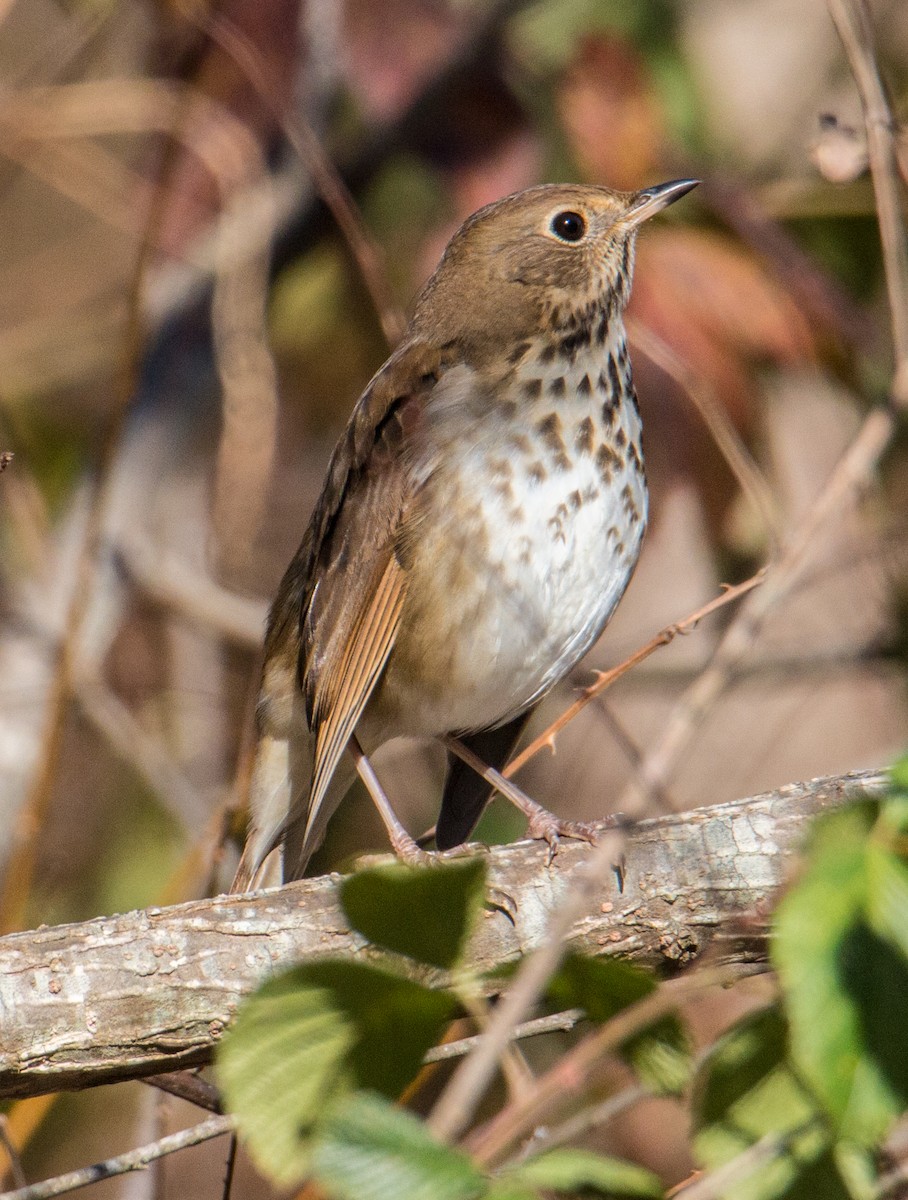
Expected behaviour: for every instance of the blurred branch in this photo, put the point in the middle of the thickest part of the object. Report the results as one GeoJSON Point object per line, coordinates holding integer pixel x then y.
{"type": "Point", "coordinates": [232, 156]}
{"type": "Point", "coordinates": [12, 1153]}
{"type": "Point", "coordinates": [716, 419]}
{"type": "Point", "coordinates": [855, 469]}
{"type": "Point", "coordinates": [814, 289]}
{"type": "Point", "coordinates": [716, 1184]}
{"type": "Point", "coordinates": [852, 21]}
{"type": "Point", "coordinates": [366, 252]}
{"type": "Point", "coordinates": [607, 678]}
{"type": "Point", "coordinates": [132, 1160]}
{"type": "Point", "coordinates": [490, 1143]}
{"type": "Point", "coordinates": [175, 584]}
{"type": "Point", "coordinates": [149, 992]}
{"type": "Point", "coordinates": [135, 746]}
{"type": "Point", "coordinates": [573, 1128]}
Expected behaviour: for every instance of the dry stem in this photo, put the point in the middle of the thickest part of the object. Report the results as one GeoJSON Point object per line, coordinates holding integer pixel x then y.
{"type": "Point", "coordinates": [133, 1160]}
{"type": "Point", "coordinates": [750, 478]}
{"type": "Point", "coordinates": [605, 679]}
{"type": "Point", "coordinates": [366, 252]}
{"type": "Point", "coordinates": [491, 1143]}
{"type": "Point", "coordinates": [856, 467]}
{"type": "Point", "coordinates": [134, 995]}
{"type": "Point", "coordinates": [227, 150]}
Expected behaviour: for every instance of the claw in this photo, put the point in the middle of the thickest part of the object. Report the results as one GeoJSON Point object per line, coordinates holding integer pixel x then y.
{"type": "Point", "coordinates": [504, 902]}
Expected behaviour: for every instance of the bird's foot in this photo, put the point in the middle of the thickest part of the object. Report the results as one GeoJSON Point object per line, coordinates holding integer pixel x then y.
{"type": "Point", "coordinates": [546, 827]}
{"type": "Point", "coordinates": [411, 852]}
{"type": "Point", "coordinates": [408, 851]}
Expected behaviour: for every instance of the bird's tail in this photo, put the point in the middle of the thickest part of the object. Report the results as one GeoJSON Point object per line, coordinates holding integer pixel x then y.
{"type": "Point", "coordinates": [279, 825]}
{"type": "Point", "coordinates": [270, 804]}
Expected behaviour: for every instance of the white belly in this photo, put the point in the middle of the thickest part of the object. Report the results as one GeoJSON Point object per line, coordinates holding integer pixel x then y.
{"type": "Point", "coordinates": [505, 597]}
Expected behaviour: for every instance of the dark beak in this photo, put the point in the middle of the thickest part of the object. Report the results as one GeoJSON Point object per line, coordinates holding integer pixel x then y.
{"type": "Point", "coordinates": [652, 200]}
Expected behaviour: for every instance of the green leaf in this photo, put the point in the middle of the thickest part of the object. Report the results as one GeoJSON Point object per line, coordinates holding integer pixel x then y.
{"type": "Point", "coordinates": [313, 1033]}
{"type": "Point", "coordinates": [578, 1170]}
{"type": "Point", "coordinates": [844, 983]}
{"type": "Point", "coordinates": [603, 987]}
{"type": "Point", "coordinates": [507, 1189]}
{"type": "Point", "coordinates": [739, 1062]}
{"type": "Point", "coordinates": [817, 1179]}
{"type": "Point", "coordinates": [396, 1020]}
{"type": "Point", "coordinates": [887, 883]}
{"type": "Point", "coordinates": [369, 1150]}
{"type": "Point", "coordinates": [745, 1091]}
{"type": "Point", "coordinates": [278, 1065]}
{"type": "Point", "coordinates": [427, 913]}
{"type": "Point", "coordinates": [898, 773]}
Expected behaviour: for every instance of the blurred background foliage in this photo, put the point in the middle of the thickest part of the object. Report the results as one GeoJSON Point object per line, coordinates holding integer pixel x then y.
{"type": "Point", "coordinates": [184, 330]}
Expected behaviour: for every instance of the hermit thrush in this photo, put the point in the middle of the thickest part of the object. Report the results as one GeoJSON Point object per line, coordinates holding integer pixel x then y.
{"type": "Point", "coordinates": [481, 518]}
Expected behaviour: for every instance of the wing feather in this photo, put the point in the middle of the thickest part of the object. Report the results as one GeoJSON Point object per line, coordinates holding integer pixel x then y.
{"type": "Point", "coordinates": [357, 674]}
{"type": "Point", "coordinates": [338, 609]}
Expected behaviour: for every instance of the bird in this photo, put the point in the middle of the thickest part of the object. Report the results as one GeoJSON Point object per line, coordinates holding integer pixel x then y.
{"type": "Point", "coordinates": [481, 517]}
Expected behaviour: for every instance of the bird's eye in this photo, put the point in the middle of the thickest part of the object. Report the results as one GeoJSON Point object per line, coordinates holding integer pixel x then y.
{"type": "Point", "coordinates": [568, 226]}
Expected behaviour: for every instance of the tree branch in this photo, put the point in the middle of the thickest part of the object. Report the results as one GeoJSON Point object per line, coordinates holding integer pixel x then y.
{"type": "Point", "coordinates": [128, 996]}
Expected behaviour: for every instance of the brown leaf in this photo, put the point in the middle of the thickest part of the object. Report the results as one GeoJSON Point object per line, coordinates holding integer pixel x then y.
{"type": "Point", "coordinates": [611, 115]}
{"type": "Point", "coordinates": [719, 310]}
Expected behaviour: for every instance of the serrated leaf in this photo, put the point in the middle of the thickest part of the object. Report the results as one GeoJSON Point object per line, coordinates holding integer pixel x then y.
{"type": "Point", "coordinates": [426, 913]}
{"type": "Point", "coordinates": [278, 1065]}
{"type": "Point", "coordinates": [744, 1091]}
{"type": "Point", "coordinates": [581, 1170]}
{"type": "Point", "coordinates": [396, 1020]}
{"type": "Point", "coordinates": [845, 985]}
{"type": "Point", "coordinates": [603, 987]}
{"type": "Point", "coordinates": [369, 1150]}
{"type": "Point", "coordinates": [309, 1035]}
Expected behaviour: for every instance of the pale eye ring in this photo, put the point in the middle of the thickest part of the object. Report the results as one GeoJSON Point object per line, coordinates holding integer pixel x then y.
{"type": "Point", "coordinates": [568, 226]}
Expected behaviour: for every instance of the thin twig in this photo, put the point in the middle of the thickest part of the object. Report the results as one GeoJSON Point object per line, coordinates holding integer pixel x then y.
{"type": "Point", "coordinates": [605, 679]}
{"type": "Point", "coordinates": [455, 1106]}
{"type": "Point", "coordinates": [12, 1153]}
{"type": "Point", "coordinates": [561, 1022]}
{"type": "Point", "coordinates": [850, 475]}
{"type": "Point", "coordinates": [230, 1167]}
{"type": "Point", "coordinates": [716, 419]}
{"type": "Point", "coordinates": [514, 1068]}
{"type": "Point", "coordinates": [132, 1160]}
{"type": "Point", "coordinates": [852, 22]}
{"type": "Point", "coordinates": [717, 1183]}
{"type": "Point", "coordinates": [584, 1121]}
{"type": "Point", "coordinates": [330, 186]}
{"type": "Point", "coordinates": [489, 1144]}
{"type": "Point", "coordinates": [857, 465]}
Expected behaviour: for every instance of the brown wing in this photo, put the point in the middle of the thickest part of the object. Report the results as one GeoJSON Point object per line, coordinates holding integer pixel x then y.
{"type": "Point", "coordinates": [341, 599]}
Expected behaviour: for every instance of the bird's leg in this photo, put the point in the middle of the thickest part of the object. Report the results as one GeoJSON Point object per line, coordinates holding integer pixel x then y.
{"type": "Point", "coordinates": [403, 845]}
{"type": "Point", "coordinates": [541, 823]}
